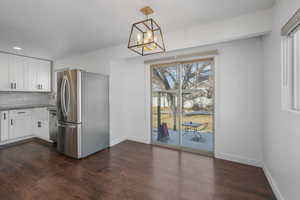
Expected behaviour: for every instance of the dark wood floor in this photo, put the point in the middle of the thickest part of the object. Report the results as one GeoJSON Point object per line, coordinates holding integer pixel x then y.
{"type": "Point", "coordinates": [130, 171]}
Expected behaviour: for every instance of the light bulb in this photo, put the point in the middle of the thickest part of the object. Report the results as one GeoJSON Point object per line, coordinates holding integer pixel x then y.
{"type": "Point", "coordinates": [139, 38]}
{"type": "Point", "coordinates": [154, 46]}
{"type": "Point", "coordinates": [149, 34]}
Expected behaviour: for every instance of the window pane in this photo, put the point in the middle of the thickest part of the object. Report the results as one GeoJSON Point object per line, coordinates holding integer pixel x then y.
{"type": "Point", "coordinates": [295, 87]}
{"type": "Point", "coordinates": [197, 120]}
{"type": "Point", "coordinates": [164, 78]}
{"type": "Point", "coordinates": [197, 75]}
{"type": "Point", "coordinates": [164, 118]}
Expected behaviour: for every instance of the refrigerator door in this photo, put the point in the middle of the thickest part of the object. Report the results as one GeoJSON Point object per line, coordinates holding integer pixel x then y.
{"type": "Point", "coordinates": [69, 96]}
{"type": "Point", "coordinates": [69, 139]}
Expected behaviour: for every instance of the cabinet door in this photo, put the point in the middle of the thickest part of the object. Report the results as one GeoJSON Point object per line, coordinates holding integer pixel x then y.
{"type": "Point", "coordinates": [17, 70]}
{"type": "Point", "coordinates": [12, 133]}
{"type": "Point", "coordinates": [23, 126]}
{"type": "Point", "coordinates": [41, 129]}
{"type": "Point", "coordinates": [4, 72]}
{"type": "Point", "coordinates": [41, 123]}
{"type": "Point", "coordinates": [44, 76]}
{"type": "Point", "coordinates": [20, 123]}
{"type": "Point", "coordinates": [4, 125]}
{"type": "Point", "coordinates": [40, 73]}
{"type": "Point", "coordinates": [32, 74]}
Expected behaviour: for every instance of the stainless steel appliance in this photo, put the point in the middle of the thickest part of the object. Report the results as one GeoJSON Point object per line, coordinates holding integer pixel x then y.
{"type": "Point", "coordinates": [83, 113]}
{"type": "Point", "coordinates": [53, 128]}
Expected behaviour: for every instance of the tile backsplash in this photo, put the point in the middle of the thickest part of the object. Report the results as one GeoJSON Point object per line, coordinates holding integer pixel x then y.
{"type": "Point", "coordinates": [25, 98]}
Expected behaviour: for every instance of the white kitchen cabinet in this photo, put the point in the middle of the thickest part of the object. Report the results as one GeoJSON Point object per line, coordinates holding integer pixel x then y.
{"type": "Point", "coordinates": [41, 129]}
{"type": "Point", "coordinates": [4, 72]}
{"type": "Point", "coordinates": [31, 76]}
{"type": "Point", "coordinates": [4, 126]}
{"type": "Point", "coordinates": [41, 123]}
{"type": "Point", "coordinates": [39, 75]}
{"type": "Point", "coordinates": [44, 76]}
{"type": "Point", "coordinates": [20, 123]}
{"type": "Point", "coordinates": [17, 72]}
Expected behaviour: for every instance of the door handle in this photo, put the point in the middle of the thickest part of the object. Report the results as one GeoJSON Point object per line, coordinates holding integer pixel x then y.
{"type": "Point", "coordinates": [11, 122]}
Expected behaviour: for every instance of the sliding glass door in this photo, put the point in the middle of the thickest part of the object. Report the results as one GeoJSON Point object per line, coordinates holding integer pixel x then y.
{"type": "Point", "coordinates": [183, 105]}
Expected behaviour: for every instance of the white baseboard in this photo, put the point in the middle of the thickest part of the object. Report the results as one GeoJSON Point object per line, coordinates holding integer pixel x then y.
{"type": "Point", "coordinates": [117, 141]}
{"type": "Point", "coordinates": [45, 139]}
{"type": "Point", "coordinates": [273, 184]}
{"type": "Point", "coordinates": [239, 159]}
{"type": "Point", "coordinates": [136, 139]}
{"type": "Point", "coordinates": [17, 139]}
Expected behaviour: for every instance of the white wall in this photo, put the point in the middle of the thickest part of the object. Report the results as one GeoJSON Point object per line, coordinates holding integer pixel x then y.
{"type": "Point", "coordinates": [282, 129]}
{"type": "Point", "coordinates": [241, 27]}
{"type": "Point", "coordinates": [135, 89]}
{"type": "Point", "coordinates": [245, 26]}
{"type": "Point", "coordinates": [109, 61]}
{"type": "Point", "coordinates": [239, 100]}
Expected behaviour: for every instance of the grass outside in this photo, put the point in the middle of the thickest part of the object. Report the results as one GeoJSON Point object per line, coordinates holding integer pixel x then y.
{"type": "Point", "coordinates": [166, 117]}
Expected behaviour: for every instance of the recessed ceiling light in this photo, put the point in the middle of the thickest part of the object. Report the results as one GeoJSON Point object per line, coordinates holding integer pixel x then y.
{"type": "Point", "coordinates": [17, 48]}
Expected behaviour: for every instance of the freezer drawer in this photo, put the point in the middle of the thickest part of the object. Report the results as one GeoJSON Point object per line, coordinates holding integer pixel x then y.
{"type": "Point", "coordinates": [69, 139]}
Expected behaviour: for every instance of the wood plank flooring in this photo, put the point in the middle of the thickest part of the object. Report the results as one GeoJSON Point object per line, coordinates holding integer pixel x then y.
{"type": "Point", "coordinates": [129, 171]}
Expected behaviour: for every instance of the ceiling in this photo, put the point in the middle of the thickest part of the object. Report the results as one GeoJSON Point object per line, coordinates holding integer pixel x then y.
{"type": "Point", "coordinates": [59, 28]}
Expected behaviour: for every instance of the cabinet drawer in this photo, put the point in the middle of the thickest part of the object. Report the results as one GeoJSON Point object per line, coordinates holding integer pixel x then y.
{"type": "Point", "coordinates": [19, 113]}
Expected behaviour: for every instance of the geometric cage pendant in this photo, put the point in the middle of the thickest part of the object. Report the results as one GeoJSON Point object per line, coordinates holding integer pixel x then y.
{"type": "Point", "coordinates": [146, 36]}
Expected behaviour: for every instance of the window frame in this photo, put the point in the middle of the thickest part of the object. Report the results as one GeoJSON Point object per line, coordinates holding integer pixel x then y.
{"type": "Point", "coordinates": [290, 70]}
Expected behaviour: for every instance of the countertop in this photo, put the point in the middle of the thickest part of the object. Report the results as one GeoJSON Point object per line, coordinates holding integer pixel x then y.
{"type": "Point", "coordinates": [17, 107]}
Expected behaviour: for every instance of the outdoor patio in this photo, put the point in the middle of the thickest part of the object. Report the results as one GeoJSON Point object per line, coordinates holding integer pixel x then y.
{"type": "Point", "coordinates": [201, 141]}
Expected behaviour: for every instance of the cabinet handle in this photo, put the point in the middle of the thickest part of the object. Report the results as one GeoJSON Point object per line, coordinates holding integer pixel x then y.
{"type": "Point", "coordinates": [15, 85]}
{"type": "Point", "coordinates": [4, 116]}
{"type": "Point", "coordinates": [21, 112]}
{"type": "Point", "coordinates": [39, 124]}
{"type": "Point", "coordinates": [41, 86]}
{"type": "Point", "coordinates": [11, 85]}
{"type": "Point", "coordinates": [11, 122]}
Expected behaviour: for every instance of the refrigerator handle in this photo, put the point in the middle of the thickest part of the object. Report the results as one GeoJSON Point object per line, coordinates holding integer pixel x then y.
{"type": "Point", "coordinates": [62, 96]}
{"type": "Point", "coordinates": [66, 126]}
{"type": "Point", "coordinates": [67, 106]}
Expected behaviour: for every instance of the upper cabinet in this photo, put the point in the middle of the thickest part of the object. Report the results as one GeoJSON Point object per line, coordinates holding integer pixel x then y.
{"type": "Point", "coordinates": [4, 72]}
{"type": "Point", "coordinates": [18, 73]}
{"type": "Point", "coordinates": [39, 75]}
{"type": "Point", "coordinates": [17, 70]}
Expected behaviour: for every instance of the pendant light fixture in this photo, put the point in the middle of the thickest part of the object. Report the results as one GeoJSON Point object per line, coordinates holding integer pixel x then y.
{"type": "Point", "coordinates": [146, 37]}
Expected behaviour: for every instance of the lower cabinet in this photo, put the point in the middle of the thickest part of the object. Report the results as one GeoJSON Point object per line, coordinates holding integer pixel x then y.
{"type": "Point", "coordinates": [20, 123]}
{"type": "Point", "coordinates": [16, 124]}
{"type": "Point", "coordinates": [4, 126]}
{"type": "Point", "coordinates": [41, 123]}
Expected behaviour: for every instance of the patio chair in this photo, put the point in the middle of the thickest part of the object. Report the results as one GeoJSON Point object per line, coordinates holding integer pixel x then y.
{"type": "Point", "coordinates": [163, 132]}
{"type": "Point", "coordinates": [198, 137]}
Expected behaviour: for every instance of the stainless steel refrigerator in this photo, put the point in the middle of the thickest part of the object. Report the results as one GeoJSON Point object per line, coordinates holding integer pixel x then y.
{"type": "Point", "coordinates": [83, 113]}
